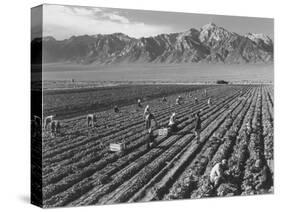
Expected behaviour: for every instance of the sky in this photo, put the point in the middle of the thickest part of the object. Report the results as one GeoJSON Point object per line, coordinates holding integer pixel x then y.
{"type": "Point", "coordinates": [62, 22]}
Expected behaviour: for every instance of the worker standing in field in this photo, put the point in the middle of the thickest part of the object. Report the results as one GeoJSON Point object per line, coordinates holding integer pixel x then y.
{"type": "Point", "coordinates": [139, 103]}
{"type": "Point", "coordinates": [210, 102]}
{"type": "Point", "coordinates": [172, 123]}
{"type": "Point", "coordinates": [205, 92]}
{"type": "Point", "coordinates": [197, 129]}
{"type": "Point", "coordinates": [148, 117]}
{"type": "Point", "coordinates": [177, 101]}
{"type": "Point", "coordinates": [196, 100]}
{"type": "Point", "coordinates": [116, 109]}
{"type": "Point", "coordinates": [217, 173]}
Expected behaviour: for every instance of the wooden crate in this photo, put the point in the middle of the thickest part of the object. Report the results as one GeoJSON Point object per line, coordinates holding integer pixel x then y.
{"type": "Point", "coordinates": [117, 147]}
{"type": "Point", "coordinates": [163, 132]}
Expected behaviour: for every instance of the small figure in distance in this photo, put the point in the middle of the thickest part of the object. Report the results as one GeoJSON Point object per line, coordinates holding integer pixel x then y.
{"type": "Point", "coordinates": [91, 119]}
{"type": "Point", "coordinates": [217, 175]}
{"type": "Point", "coordinates": [55, 128]}
{"type": "Point", "coordinates": [139, 103]}
{"type": "Point", "coordinates": [196, 100]}
{"type": "Point", "coordinates": [164, 99]}
{"type": "Point", "coordinates": [172, 125]}
{"type": "Point", "coordinates": [209, 102]}
{"type": "Point", "coordinates": [48, 120]}
{"type": "Point", "coordinates": [116, 109]}
{"type": "Point", "coordinates": [205, 92]}
{"type": "Point", "coordinates": [179, 100]}
{"type": "Point", "coordinates": [197, 129]}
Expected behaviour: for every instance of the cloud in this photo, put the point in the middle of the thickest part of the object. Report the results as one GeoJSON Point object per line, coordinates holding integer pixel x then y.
{"type": "Point", "coordinates": [115, 17]}
{"type": "Point", "coordinates": [64, 21]}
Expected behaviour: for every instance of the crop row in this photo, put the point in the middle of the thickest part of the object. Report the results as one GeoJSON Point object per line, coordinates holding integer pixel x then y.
{"type": "Point", "coordinates": [83, 185]}
{"type": "Point", "coordinates": [218, 146]}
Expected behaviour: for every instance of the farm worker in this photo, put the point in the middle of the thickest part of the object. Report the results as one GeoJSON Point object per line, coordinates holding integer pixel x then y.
{"type": "Point", "coordinates": [139, 103]}
{"type": "Point", "coordinates": [172, 123]}
{"type": "Point", "coordinates": [55, 127]}
{"type": "Point", "coordinates": [178, 100]}
{"type": "Point", "coordinates": [261, 175]}
{"type": "Point", "coordinates": [91, 118]}
{"type": "Point", "coordinates": [198, 126]}
{"type": "Point", "coordinates": [48, 120]}
{"type": "Point", "coordinates": [196, 100]}
{"type": "Point", "coordinates": [205, 92]}
{"type": "Point", "coordinates": [116, 109]}
{"type": "Point", "coordinates": [217, 173]}
{"type": "Point", "coordinates": [148, 117]}
{"type": "Point", "coordinates": [209, 102]}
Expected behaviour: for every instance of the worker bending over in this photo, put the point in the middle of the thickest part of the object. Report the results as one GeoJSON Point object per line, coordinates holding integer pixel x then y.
{"type": "Point", "coordinates": [217, 175]}
{"type": "Point", "coordinates": [172, 123]}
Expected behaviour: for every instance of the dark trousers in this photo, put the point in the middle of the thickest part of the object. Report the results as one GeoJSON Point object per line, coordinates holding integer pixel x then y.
{"type": "Point", "coordinates": [147, 124]}
{"type": "Point", "coordinates": [173, 128]}
{"type": "Point", "coordinates": [149, 140]}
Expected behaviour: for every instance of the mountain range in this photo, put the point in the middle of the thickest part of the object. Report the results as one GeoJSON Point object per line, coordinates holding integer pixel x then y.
{"type": "Point", "coordinates": [209, 44]}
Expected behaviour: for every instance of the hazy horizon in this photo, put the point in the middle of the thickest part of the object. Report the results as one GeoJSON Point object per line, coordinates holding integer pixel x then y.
{"type": "Point", "coordinates": [159, 72]}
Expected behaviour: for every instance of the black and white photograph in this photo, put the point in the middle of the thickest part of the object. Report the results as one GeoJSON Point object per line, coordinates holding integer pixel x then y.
{"type": "Point", "coordinates": [132, 106]}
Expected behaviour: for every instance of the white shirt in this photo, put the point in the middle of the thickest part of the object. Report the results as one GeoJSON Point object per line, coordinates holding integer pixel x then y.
{"type": "Point", "coordinates": [172, 120]}
{"type": "Point", "coordinates": [216, 171]}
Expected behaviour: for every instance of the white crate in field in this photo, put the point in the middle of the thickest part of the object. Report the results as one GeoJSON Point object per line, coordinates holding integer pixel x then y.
{"type": "Point", "coordinates": [163, 132]}
{"type": "Point", "coordinates": [116, 147]}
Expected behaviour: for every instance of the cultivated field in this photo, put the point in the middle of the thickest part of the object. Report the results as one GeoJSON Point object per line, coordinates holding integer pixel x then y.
{"type": "Point", "coordinates": [79, 169]}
